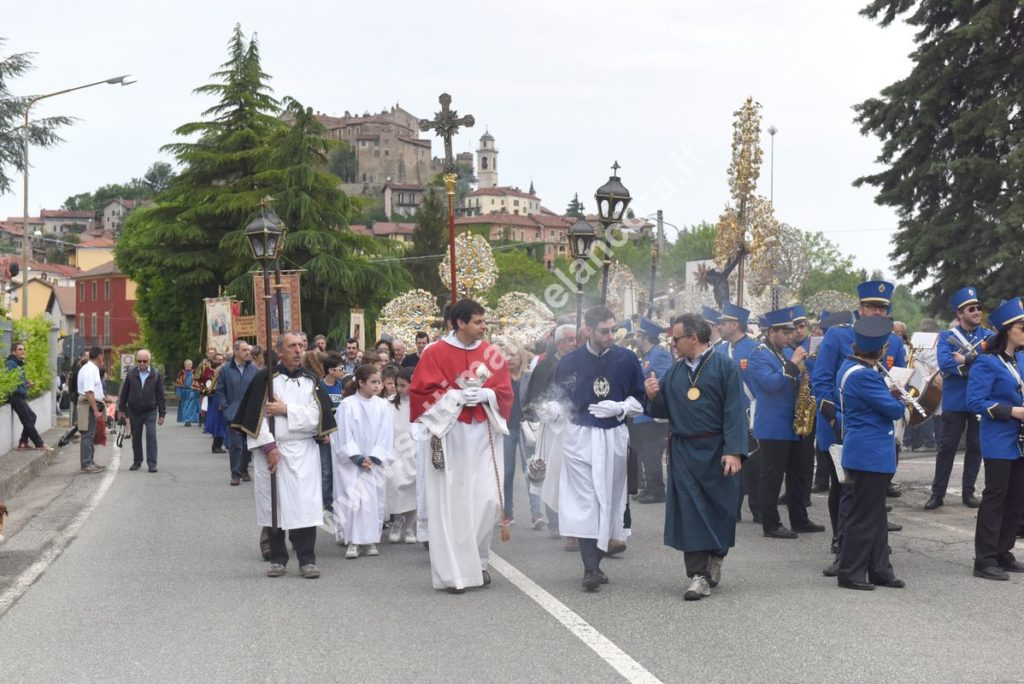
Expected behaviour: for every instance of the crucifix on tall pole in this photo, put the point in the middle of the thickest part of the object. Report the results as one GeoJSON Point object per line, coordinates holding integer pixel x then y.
{"type": "Point", "coordinates": [446, 124]}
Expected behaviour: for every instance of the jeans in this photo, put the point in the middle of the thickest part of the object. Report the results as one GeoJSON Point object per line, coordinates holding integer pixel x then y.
{"type": "Point", "coordinates": [238, 456]}
{"type": "Point", "coordinates": [138, 421]}
{"type": "Point", "coordinates": [87, 450]}
{"type": "Point", "coordinates": [511, 461]}
{"type": "Point", "coordinates": [28, 420]}
{"type": "Point", "coordinates": [327, 476]}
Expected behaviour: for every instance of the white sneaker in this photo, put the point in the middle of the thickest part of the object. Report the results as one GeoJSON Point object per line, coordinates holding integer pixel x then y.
{"type": "Point", "coordinates": [352, 551]}
{"type": "Point", "coordinates": [698, 589]}
{"type": "Point", "coordinates": [410, 537]}
{"type": "Point", "coordinates": [372, 550]}
{"type": "Point", "coordinates": [329, 520]}
{"type": "Point", "coordinates": [395, 535]}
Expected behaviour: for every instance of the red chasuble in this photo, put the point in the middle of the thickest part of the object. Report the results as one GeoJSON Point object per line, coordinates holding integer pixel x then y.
{"type": "Point", "coordinates": [440, 367]}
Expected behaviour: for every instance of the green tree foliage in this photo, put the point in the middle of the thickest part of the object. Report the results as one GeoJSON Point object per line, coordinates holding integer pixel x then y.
{"type": "Point", "coordinates": [338, 269]}
{"type": "Point", "coordinates": [827, 267]}
{"type": "Point", "coordinates": [692, 244]}
{"type": "Point", "coordinates": [430, 240]}
{"type": "Point", "coordinates": [41, 132]}
{"type": "Point", "coordinates": [343, 163]}
{"type": "Point", "coordinates": [952, 137]}
{"type": "Point", "coordinates": [519, 272]}
{"type": "Point", "coordinates": [173, 249]}
{"type": "Point", "coordinates": [157, 179]}
{"type": "Point", "coordinates": [575, 207]}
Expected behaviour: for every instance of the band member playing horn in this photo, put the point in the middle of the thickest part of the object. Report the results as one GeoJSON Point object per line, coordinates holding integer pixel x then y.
{"type": "Point", "coordinates": [774, 373]}
{"type": "Point", "coordinates": [956, 350]}
{"type": "Point", "coordinates": [996, 392]}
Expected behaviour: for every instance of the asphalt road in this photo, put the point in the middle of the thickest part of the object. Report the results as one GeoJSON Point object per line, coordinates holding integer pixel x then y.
{"type": "Point", "coordinates": [161, 580]}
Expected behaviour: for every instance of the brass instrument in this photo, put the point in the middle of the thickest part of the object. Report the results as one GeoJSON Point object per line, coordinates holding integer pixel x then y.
{"type": "Point", "coordinates": [803, 415]}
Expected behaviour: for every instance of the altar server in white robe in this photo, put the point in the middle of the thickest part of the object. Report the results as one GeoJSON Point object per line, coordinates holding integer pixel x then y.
{"type": "Point", "coordinates": [361, 455]}
{"type": "Point", "coordinates": [605, 386]}
{"type": "Point", "coordinates": [402, 480]}
{"type": "Point", "coordinates": [301, 412]}
{"type": "Point", "coordinates": [462, 393]}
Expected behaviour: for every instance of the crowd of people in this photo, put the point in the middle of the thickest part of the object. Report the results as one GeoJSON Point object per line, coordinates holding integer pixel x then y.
{"type": "Point", "coordinates": [428, 447]}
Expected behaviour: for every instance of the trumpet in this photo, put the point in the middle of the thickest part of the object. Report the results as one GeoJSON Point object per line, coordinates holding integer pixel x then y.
{"type": "Point", "coordinates": [969, 351]}
{"type": "Point", "coordinates": [908, 398]}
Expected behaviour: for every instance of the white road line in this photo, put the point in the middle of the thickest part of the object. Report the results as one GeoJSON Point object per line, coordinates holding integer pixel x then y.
{"type": "Point", "coordinates": [630, 669]}
{"type": "Point", "coordinates": [61, 541]}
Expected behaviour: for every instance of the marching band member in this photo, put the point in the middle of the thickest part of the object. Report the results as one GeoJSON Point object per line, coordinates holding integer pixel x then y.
{"type": "Point", "coordinates": [774, 379]}
{"type": "Point", "coordinates": [956, 351]}
{"type": "Point", "coordinates": [875, 297]}
{"type": "Point", "coordinates": [646, 435]}
{"type": "Point", "coordinates": [736, 344]}
{"type": "Point", "coordinates": [995, 391]}
{"type": "Point", "coordinates": [868, 409]}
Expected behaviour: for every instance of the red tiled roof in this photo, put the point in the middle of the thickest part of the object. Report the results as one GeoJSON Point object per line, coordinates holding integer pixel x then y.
{"type": "Point", "coordinates": [498, 219]}
{"type": "Point", "coordinates": [108, 268]}
{"type": "Point", "coordinates": [65, 213]}
{"type": "Point", "coordinates": [19, 220]}
{"type": "Point", "coordinates": [360, 229]}
{"type": "Point", "coordinates": [126, 203]}
{"type": "Point", "coordinates": [66, 298]}
{"type": "Point", "coordinates": [46, 267]}
{"type": "Point", "coordinates": [502, 191]}
{"type": "Point", "coordinates": [383, 228]}
{"type": "Point", "coordinates": [12, 228]}
{"type": "Point", "coordinates": [97, 243]}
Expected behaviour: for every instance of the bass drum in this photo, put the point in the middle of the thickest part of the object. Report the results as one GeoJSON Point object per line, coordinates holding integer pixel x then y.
{"type": "Point", "coordinates": [930, 398]}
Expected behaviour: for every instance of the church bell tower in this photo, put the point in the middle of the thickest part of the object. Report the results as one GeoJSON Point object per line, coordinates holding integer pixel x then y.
{"type": "Point", "coordinates": [487, 162]}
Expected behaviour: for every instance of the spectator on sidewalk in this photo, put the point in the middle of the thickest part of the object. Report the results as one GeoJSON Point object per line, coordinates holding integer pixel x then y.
{"type": "Point", "coordinates": [90, 393]}
{"type": "Point", "coordinates": [142, 400]}
{"type": "Point", "coordinates": [19, 399]}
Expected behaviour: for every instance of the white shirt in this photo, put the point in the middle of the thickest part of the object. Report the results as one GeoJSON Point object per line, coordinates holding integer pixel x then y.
{"type": "Point", "coordinates": [89, 381]}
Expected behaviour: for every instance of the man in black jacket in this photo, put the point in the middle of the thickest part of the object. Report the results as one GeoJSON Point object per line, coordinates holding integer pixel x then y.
{"type": "Point", "coordinates": [142, 400]}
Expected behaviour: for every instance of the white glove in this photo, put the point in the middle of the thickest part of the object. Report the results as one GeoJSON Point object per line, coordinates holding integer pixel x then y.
{"type": "Point", "coordinates": [606, 409]}
{"type": "Point", "coordinates": [474, 395]}
{"type": "Point", "coordinates": [549, 411]}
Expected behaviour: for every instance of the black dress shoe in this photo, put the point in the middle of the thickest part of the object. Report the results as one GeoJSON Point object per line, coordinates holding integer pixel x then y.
{"type": "Point", "coordinates": [152, 469]}
{"type": "Point", "coordinates": [819, 489]}
{"type": "Point", "coordinates": [218, 450]}
{"type": "Point", "coordinates": [894, 583]}
{"type": "Point", "coordinates": [888, 508]}
{"type": "Point", "coordinates": [893, 492]}
{"type": "Point", "coordinates": [853, 584]}
{"type": "Point", "coordinates": [650, 498]}
{"type": "Point", "coordinates": [894, 527]}
{"type": "Point", "coordinates": [781, 533]}
{"type": "Point", "coordinates": [971, 501]}
{"type": "Point", "coordinates": [601, 577]}
{"type": "Point", "coordinates": [591, 581]}
{"type": "Point", "coordinates": [832, 570]}
{"type": "Point", "coordinates": [1012, 566]}
{"type": "Point", "coordinates": [809, 527]}
{"type": "Point", "coordinates": [993, 572]}
{"type": "Point", "coordinates": [453, 590]}
{"type": "Point", "coordinates": [934, 501]}
{"type": "Point", "coordinates": [135, 466]}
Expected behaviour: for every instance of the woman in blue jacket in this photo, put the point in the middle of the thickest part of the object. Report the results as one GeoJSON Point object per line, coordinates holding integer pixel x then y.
{"type": "Point", "coordinates": [994, 392]}
{"type": "Point", "coordinates": [869, 458]}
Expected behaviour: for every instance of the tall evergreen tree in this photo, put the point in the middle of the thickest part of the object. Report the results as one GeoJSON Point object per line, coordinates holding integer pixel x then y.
{"type": "Point", "coordinates": [430, 240]}
{"type": "Point", "coordinates": [575, 207]}
{"type": "Point", "coordinates": [41, 132]}
{"type": "Point", "coordinates": [174, 249]}
{"type": "Point", "coordinates": [339, 271]}
{"type": "Point", "coordinates": [952, 137]}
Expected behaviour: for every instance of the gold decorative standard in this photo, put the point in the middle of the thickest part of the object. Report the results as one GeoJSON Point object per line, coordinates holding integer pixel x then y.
{"type": "Point", "coordinates": [475, 272]}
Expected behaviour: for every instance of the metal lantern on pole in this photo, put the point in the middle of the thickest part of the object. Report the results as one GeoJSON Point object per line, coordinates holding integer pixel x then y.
{"type": "Point", "coordinates": [581, 236]}
{"type": "Point", "coordinates": [265, 234]}
{"type": "Point", "coordinates": [612, 201]}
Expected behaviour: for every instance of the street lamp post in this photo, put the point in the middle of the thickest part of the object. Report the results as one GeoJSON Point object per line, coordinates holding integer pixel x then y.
{"type": "Point", "coordinates": [581, 236]}
{"type": "Point", "coordinates": [612, 199]}
{"type": "Point", "coordinates": [26, 247]}
{"type": "Point", "coordinates": [266, 234]}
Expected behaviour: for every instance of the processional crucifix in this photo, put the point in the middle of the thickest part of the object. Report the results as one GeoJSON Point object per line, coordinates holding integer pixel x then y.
{"type": "Point", "coordinates": [446, 124]}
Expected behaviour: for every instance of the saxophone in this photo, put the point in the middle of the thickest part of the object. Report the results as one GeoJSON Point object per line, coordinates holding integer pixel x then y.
{"type": "Point", "coordinates": [803, 414]}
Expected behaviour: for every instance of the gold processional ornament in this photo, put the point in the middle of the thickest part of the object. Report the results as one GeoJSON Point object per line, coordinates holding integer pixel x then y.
{"type": "Point", "coordinates": [523, 318]}
{"type": "Point", "coordinates": [475, 268]}
{"type": "Point", "coordinates": [830, 300]}
{"type": "Point", "coordinates": [408, 314]}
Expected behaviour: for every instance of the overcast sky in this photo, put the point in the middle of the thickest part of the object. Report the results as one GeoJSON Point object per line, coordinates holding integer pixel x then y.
{"type": "Point", "coordinates": [565, 87]}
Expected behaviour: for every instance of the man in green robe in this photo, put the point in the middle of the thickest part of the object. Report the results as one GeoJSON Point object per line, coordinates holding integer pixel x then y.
{"type": "Point", "coordinates": [702, 398]}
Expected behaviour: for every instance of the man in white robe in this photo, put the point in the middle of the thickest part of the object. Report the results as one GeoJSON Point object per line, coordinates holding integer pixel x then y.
{"type": "Point", "coordinates": [462, 394]}
{"type": "Point", "coordinates": [301, 412]}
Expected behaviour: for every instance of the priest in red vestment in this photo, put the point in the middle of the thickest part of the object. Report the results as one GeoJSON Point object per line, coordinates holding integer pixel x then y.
{"type": "Point", "coordinates": [462, 394]}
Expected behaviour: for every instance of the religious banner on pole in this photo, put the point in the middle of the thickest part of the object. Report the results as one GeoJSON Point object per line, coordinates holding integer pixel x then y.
{"type": "Point", "coordinates": [245, 326]}
{"type": "Point", "coordinates": [219, 334]}
{"type": "Point", "coordinates": [357, 327]}
{"type": "Point", "coordinates": [290, 298]}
